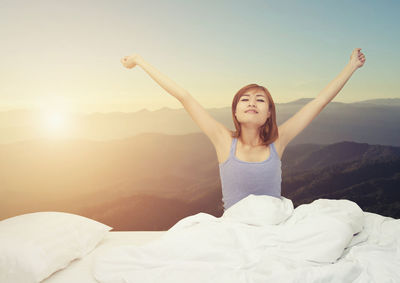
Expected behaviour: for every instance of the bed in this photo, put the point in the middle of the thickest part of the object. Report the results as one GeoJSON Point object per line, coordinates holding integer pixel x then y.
{"type": "Point", "coordinates": [259, 239]}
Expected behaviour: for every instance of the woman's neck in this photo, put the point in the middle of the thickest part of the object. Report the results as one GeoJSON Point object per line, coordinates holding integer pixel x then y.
{"type": "Point", "coordinates": [250, 139]}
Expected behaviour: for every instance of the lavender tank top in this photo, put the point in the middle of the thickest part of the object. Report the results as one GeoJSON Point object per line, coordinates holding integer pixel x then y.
{"type": "Point", "coordinates": [240, 178]}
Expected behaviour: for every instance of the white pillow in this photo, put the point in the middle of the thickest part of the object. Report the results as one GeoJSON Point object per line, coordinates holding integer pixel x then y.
{"type": "Point", "coordinates": [260, 210]}
{"type": "Point", "coordinates": [35, 245]}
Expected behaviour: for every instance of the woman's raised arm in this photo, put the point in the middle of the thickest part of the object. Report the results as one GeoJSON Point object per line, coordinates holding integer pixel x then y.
{"type": "Point", "coordinates": [294, 125]}
{"type": "Point", "coordinates": [166, 83]}
{"type": "Point", "coordinates": [214, 130]}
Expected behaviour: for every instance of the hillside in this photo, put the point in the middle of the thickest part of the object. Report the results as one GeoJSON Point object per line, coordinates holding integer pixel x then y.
{"type": "Point", "coordinates": [149, 181]}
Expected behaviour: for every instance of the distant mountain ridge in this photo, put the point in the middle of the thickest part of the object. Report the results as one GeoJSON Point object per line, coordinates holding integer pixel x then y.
{"type": "Point", "coordinates": [371, 121]}
{"type": "Point", "coordinates": [379, 101]}
{"type": "Point", "coordinates": [382, 101]}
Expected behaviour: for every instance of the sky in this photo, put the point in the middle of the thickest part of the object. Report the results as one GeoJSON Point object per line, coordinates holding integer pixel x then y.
{"type": "Point", "coordinates": [66, 54]}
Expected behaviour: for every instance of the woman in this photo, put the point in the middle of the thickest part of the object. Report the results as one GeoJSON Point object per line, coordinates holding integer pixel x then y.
{"type": "Point", "coordinates": [250, 158]}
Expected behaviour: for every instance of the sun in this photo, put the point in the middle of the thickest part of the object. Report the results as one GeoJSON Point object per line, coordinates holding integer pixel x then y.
{"type": "Point", "coordinates": [55, 123]}
{"type": "Point", "coordinates": [55, 117]}
{"type": "Point", "coordinates": [55, 120]}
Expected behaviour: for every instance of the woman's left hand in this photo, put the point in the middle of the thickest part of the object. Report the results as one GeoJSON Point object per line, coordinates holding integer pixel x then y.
{"type": "Point", "coordinates": [357, 58]}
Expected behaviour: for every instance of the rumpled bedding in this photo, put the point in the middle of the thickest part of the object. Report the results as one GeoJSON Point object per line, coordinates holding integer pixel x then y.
{"type": "Point", "coordinates": [261, 239]}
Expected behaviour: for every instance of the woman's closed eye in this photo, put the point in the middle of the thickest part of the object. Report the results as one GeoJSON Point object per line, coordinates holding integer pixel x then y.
{"type": "Point", "coordinates": [257, 100]}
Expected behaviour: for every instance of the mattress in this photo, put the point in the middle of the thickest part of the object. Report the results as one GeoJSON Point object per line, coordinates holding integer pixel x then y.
{"type": "Point", "coordinates": [80, 270]}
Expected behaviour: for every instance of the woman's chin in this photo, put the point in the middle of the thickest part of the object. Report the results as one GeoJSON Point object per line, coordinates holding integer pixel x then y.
{"type": "Point", "coordinates": [251, 123]}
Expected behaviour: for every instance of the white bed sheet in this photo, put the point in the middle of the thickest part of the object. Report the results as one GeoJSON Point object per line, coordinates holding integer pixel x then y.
{"type": "Point", "coordinates": [80, 270]}
{"type": "Point", "coordinates": [372, 255]}
{"type": "Point", "coordinates": [325, 241]}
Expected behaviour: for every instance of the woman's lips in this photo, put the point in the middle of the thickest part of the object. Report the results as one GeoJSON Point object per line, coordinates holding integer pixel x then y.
{"type": "Point", "coordinates": [251, 111]}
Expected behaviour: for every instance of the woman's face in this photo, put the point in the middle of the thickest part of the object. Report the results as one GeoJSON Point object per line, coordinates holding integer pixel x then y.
{"type": "Point", "coordinates": [257, 101]}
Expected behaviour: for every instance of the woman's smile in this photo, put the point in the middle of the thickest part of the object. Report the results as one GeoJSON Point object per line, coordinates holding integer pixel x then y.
{"type": "Point", "coordinates": [251, 111]}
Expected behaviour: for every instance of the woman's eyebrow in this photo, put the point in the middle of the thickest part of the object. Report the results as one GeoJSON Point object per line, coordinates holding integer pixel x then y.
{"type": "Point", "coordinates": [256, 95]}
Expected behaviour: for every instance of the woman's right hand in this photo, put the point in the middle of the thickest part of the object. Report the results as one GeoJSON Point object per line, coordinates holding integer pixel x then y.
{"type": "Point", "coordinates": [130, 61]}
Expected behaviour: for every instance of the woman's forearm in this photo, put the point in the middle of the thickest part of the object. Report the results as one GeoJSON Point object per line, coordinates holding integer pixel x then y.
{"type": "Point", "coordinates": [166, 83]}
{"type": "Point", "coordinates": [333, 88]}
{"type": "Point", "coordinates": [357, 60]}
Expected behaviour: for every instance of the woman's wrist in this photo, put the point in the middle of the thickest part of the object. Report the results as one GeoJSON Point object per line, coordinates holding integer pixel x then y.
{"type": "Point", "coordinates": [138, 60]}
{"type": "Point", "coordinates": [352, 66]}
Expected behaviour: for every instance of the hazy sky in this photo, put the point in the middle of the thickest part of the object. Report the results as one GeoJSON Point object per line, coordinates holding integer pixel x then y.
{"type": "Point", "coordinates": [67, 53]}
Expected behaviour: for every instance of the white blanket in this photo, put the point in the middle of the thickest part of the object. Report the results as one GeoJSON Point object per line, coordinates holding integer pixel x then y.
{"type": "Point", "coordinates": [261, 239]}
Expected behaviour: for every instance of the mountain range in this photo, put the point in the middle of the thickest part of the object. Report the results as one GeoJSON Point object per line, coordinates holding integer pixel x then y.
{"type": "Point", "coordinates": [370, 121]}
{"type": "Point", "coordinates": [151, 180]}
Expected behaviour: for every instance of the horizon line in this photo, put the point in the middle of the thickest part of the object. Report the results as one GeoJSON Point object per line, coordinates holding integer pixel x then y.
{"type": "Point", "coordinates": [171, 108]}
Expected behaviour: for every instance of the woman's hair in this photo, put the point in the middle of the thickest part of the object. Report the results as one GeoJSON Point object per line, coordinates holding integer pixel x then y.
{"type": "Point", "coordinates": [269, 130]}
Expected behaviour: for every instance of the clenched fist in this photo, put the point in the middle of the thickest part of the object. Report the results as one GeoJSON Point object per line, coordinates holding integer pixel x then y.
{"type": "Point", "coordinates": [130, 61]}
{"type": "Point", "coordinates": [357, 58]}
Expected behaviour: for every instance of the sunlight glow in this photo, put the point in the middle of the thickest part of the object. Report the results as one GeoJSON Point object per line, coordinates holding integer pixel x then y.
{"type": "Point", "coordinates": [55, 120]}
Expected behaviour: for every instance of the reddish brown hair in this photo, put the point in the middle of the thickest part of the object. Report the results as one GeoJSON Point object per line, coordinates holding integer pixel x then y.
{"type": "Point", "coordinates": [269, 130]}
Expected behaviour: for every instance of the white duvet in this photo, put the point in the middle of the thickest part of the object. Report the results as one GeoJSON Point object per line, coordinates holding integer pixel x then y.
{"type": "Point", "coordinates": [263, 239]}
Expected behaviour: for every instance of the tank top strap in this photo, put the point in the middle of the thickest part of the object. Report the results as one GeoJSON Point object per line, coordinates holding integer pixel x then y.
{"type": "Point", "coordinates": [274, 149]}
{"type": "Point", "coordinates": [233, 146]}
